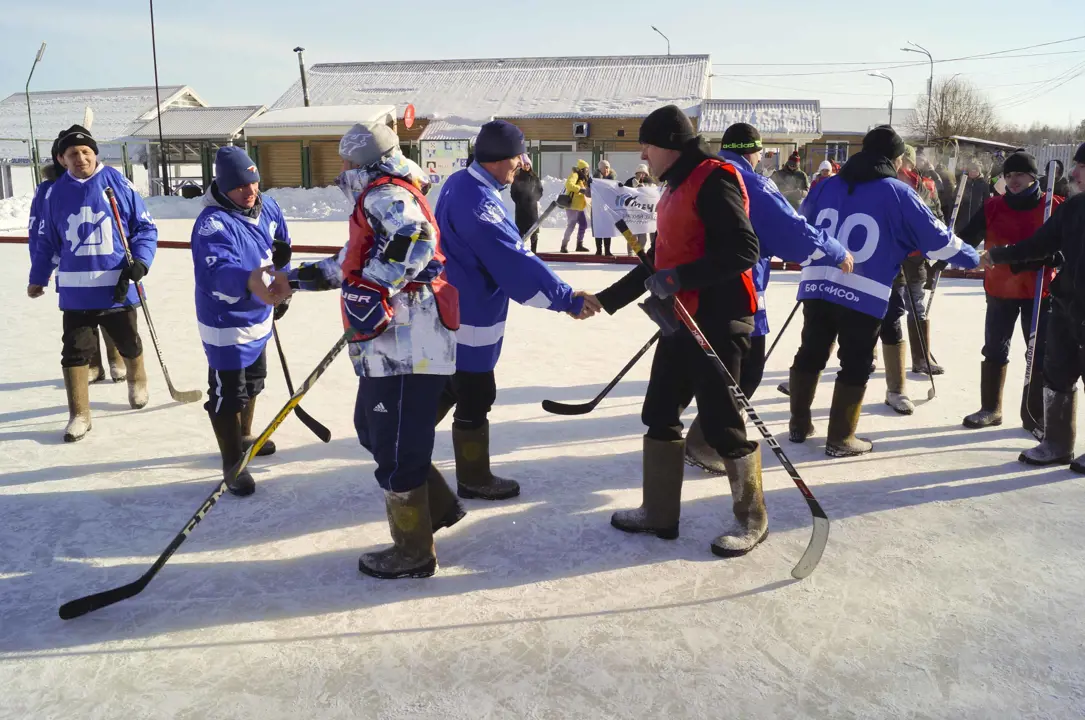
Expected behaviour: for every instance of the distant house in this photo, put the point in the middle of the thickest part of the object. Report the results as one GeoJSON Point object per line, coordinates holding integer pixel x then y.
{"type": "Point", "coordinates": [117, 114]}
{"type": "Point", "coordinates": [785, 125]}
{"type": "Point", "coordinates": [842, 131]}
{"type": "Point", "coordinates": [568, 107]}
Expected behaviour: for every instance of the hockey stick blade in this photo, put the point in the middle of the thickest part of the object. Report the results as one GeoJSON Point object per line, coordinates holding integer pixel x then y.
{"type": "Point", "coordinates": [306, 419]}
{"type": "Point", "coordinates": [186, 396]}
{"type": "Point", "coordinates": [819, 538]}
{"type": "Point", "coordinates": [90, 603]}
{"type": "Point", "coordinates": [557, 408]}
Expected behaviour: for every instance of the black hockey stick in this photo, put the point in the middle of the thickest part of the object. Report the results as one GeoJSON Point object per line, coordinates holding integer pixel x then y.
{"type": "Point", "coordinates": [562, 201]}
{"type": "Point", "coordinates": [922, 344]}
{"type": "Point", "coordinates": [952, 221]}
{"type": "Point", "coordinates": [781, 333]}
{"type": "Point", "coordinates": [183, 396]}
{"type": "Point", "coordinates": [90, 603]}
{"type": "Point", "coordinates": [558, 408]}
{"type": "Point", "coordinates": [820, 535]}
{"type": "Point", "coordinates": [308, 420]}
{"type": "Point", "coordinates": [1037, 300]}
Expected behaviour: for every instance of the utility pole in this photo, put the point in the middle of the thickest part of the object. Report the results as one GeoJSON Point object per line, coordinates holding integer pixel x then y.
{"type": "Point", "coordinates": [930, 83]}
{"type": "Point", "coordinates": [664, 37]}
{"type": "Point", "coordinates": [892, 91]}
{"type": "Point", "coordinates": [34, 160]}
{"type": "Point", "coordinates": [301, 68]}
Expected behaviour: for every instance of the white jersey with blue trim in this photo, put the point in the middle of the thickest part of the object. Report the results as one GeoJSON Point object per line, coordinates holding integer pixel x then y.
{"type": "Point", "coordinates": [880, 222]}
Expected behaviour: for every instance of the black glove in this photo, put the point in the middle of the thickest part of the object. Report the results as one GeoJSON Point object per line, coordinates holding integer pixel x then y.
{"type": "Point", "coordinates": [565, 201]}
{"type": "Point", "coordinates": [133, 273]}
{"type": "Point", "coordinates": [662, 313]}
{"type": "Point", "coordinates": [934, 271]}
{"type": "Point", "coordinates": [1055, 261]}
{"type": "Point", "coordinates": [281, 253]}
{"type": "Point", "coordinates": [281, 309]}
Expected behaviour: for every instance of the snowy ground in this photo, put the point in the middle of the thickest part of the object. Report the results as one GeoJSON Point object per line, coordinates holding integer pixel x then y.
{"type": "Point", "coordinates": [951, 586]}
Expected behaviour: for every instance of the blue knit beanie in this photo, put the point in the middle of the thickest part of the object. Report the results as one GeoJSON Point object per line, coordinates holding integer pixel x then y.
{"type": "Point", "coordinates": [234, 168]}
{"type": "Point", "coordinates": [498, 140]}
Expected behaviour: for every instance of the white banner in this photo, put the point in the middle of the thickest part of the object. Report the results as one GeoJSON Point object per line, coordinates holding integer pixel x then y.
{"type": "Point", "coordinates": [637, 206]}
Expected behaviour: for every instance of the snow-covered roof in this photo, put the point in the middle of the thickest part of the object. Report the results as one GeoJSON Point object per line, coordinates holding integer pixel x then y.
{"type": "Point", "coordinates": [770, 117]}
{"type": "Point", "coordinates": [317, 120]}
{"type": "Point", "coordinates": [857, 121]}
{"type": "Point", "coordinates": [478, 90]}
{"type": "Point", "coordinates": [210, 123]}
{"type": "Point", "coordinates": [118, 112]}
{"type": "Point", "coordinates": [446, 130]}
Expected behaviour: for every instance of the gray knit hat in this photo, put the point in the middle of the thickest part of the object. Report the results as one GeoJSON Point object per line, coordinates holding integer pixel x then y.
{"type": "Point", "coordinates": [365, 145]}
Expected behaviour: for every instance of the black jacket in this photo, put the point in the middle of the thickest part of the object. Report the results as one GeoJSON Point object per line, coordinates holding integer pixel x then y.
{"type": "Point", "coordinates": [975, 194]}
{"type": "Point", "coordinates": [731, 247]}
{"type": "Point", "coordinates": [526, 191]}
{"type": "Point", "coordinates": [1065, 233]}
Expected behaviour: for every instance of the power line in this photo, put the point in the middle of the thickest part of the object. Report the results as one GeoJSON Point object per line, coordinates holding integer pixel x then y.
{"type": "Point", "coordinates": [882, 62]}
{"type": "Point", "coordinates": [900, 65]}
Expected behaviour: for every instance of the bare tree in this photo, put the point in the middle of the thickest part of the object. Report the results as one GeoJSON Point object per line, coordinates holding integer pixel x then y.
{"type": "Point", "coordinates": [957, 108]}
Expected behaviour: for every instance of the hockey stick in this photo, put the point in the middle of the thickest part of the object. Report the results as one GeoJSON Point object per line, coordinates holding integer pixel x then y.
{"type": "Point", "coordinates": [952, 223]}
{"type": "Point", "coordinates": [781, 333]}
{"type": "Point", "coordinates": [820, 535]}
{"type": "Point", "coordinates": [1037, 300]}
{"type": "Point", "coordinates": [308, 420]}
{"type": "Point", "coordinates": [183, 396]}
{"type": "Point", "coordinates": [90, 603]}
{"type": "Point", "coordinates": [922, 344]}
{"type": "Point", "coordinates": [554, 205]}
{"type": "Point", "coordinates": [552, 406]}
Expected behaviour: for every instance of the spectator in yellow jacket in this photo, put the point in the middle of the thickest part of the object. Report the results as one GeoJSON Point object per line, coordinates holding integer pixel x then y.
{"type": "Point", "coordinates": [576, 186]}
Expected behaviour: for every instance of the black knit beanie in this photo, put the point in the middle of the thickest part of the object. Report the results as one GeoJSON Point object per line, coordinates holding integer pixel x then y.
{"type": "Point", "coordinates": [668, 127]}
{"type": "Point", "coordinates": [883, 141]}
{"type": "Point", "coordinates": [743, 138]}
{"type": "Point", "coordinates": [75, 135]}
{"type": "Point", "coordinates": [1079, 156]}
{"type": "Point", "coordinates": [1020, 161]}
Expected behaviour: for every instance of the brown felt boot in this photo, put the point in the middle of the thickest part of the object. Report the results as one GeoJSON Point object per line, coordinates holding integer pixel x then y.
{"type": "Point", "coordinates": [75, 384]}
{"type": "Point", "coordinates": [661, 492]}
{"type": "Point", "coordinates": [803, 386]}
{"type": "Point", "coordinates": [473, 476]}
{"type": "Point", "coordinates": [95, 371]}
{"type": "Point", "coordinates": [895, 396]}
{"type": "Point", "coordinates": [247, 438]}
{"type": "Point", "coordinates": [919, 363]}
{"type": "Point", "coordinates": [412, 555]}
{"type": "Point", "coordinates": [117, 370]}
{"type": "Point", "coordinates": [228, 434]}
{"type": "Point", "coordinates": [137, 382]}
{"type": "Point", "coordinates": [992, 381]}
{"type": "Point", "coordinates": [444, 509]}
{"type": "Point", "coordinates": [748, 500]}
{"type": "Point", "coordinates": [843, 420]}
{"type": "Point", "coordinates": [699, 453]}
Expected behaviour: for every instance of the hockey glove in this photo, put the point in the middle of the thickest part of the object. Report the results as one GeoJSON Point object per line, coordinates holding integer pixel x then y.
{"type": "Point", "coordinates": [662, 313]}
{"type": "Point", "coordinates": [663, 283]}
{"type": "Point", "coordinates": [281, 253]}
{"type": "Point", "coordinates": [133, 273]}
{"type": "Point", "coordinates": [932, 272]}
{"type": "Point", "coordinates": [366, 307]}
{"type": "Point", "coordinates": [281, 309]}
{"type": "Point", "coordinates": [564, 201]}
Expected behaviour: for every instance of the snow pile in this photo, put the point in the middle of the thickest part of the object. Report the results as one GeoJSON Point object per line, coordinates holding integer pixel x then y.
{"type": "Point", "coordinates": [15, 214]}
{"type": "Point", "coordinates": [552, 187]}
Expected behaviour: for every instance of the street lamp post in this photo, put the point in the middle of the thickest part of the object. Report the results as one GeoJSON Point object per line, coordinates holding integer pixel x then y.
{"type": "Point", "coordinates": [162, 149]}
{"type": "Point", "coordinates": [942, 107]}
{"type": "Point", "coordinates": [301, 68]}
{"type": "Point", "coordinates": [930, 83]}
{"type": "Point", "coordinates": [664, 37]}
{"type": "Point", "coordinates": [30, 119]}
{"type": "Point", "coordinates": [892, 91]}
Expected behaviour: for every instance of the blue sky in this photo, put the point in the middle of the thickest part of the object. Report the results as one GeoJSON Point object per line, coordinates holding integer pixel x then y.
{"type": "Point", "coordinates": [237, 54]}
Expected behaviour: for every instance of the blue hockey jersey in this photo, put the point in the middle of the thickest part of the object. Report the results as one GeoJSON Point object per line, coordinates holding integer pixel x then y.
{"type": "Point", "coordinates": [782, 233]}
{"type": "Point", "coordinates": [226, 246]}
{"type": "Point", "coordinates": [77, 227]}
{"type": "Point", "coordinates": [488, 264]}
{"type": "Point", "coordinates": [881, 222]}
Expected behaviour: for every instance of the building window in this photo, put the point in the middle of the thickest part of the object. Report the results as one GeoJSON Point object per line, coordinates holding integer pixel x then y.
{"type": "Point", "coordinates": [836, 152]}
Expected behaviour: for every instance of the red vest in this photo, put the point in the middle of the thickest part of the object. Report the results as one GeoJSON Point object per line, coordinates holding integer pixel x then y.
{"type": "Point", "coordinates": [681, 236]}
{"type": "Point", "coordinates": [1006, 226]}
{"type": "Point", "coordinates": [361, 243]}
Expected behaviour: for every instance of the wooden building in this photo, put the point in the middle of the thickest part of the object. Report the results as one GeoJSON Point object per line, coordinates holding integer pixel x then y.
{"type": "Point", "coordinates": [842, 131]}
{"type": "Point", "coordinates": [785, 125]}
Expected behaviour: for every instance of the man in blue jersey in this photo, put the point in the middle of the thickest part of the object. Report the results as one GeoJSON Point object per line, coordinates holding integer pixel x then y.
{"type": "Point", "coordinates": [238, 237]}
{"type": "Point", "coordinates": [489, 265]}
{"type": "Point", "coordinates": [880, 220]}
{"type": "Point", "coordinates": [50, 173]}
{"type": "Point", "coordinates": [94, 278]}
{"type": "Point", "coordinates": [782, 233]}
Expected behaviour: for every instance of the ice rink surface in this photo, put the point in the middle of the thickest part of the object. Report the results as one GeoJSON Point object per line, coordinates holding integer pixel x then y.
{"type": "Point", "coordinates": [951, 587]}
